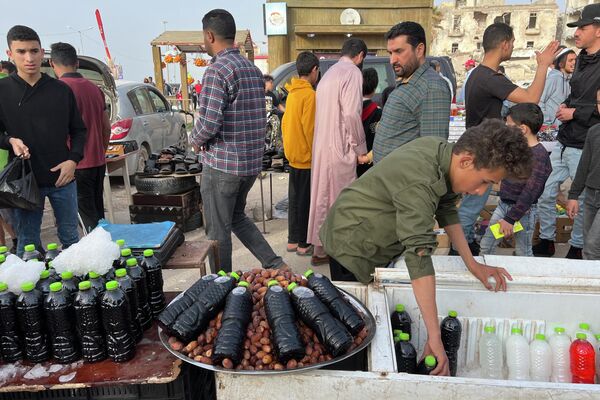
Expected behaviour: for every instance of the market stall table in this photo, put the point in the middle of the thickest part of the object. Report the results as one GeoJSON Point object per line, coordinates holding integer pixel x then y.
{"type": "Point", "coordinates": [114, 164]}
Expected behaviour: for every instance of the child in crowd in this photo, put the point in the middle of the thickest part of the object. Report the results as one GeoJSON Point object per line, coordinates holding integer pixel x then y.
{"type": "Point", "coordinates": [518, 200]}
{"type": "Point", "coordinates": [371, 113]}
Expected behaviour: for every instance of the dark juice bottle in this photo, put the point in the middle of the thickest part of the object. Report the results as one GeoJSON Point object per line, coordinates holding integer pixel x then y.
{"type": "Point", "coordinates": [285, 335]}
{"type": "Point", "coordinates": [451, 330]}
{"type": "Point", "coordinates": [51, 253]}
{"type": "Point", "coordinates": [31, 253]}
{"type": "Point", "coordinates": [128, 286]}
{"type": "Point", "coordinates": [69, 282]}
{"type": "Point", "coordinates": [401, 320]}
{"type": "Point", "coordinates": [330, 331]}
{"type": "Point", "coordinates": [11, 345]}
{"type": "Point", "coordinates": [116, 320]}
{"type": "Point", "coordinates": [426, 365]}
{"type": "Point", "coordinates": [98, 282]}
{"type": "Point", "coordinates": [406, 354]}
{"type": "Point", "coordinates": [89, 323]}
{"type": "Point", "coordinates": [43, 285]}
{"type": "Point", "coordinates": [137, 273]}
{"type": "Point", "coordinates": [30, 314]}
{"type": "Point", "coordinates": [331, 296]}
{"type": "Point", "coordinates": [60, 320]}
{"type": "Point", "coordinates": [154, 280]}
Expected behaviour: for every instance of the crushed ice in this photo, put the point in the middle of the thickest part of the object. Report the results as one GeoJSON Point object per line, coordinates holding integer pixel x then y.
{"type": "Point", "coordinates": [15, 272]}
{"type": "Point", "coordinates": [67, 378]}
{"type": "Point", "coordinates": [94, 252]}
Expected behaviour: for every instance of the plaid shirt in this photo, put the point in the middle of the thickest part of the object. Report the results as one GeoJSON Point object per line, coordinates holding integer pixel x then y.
{"type": "Point", "coordinates": [231, 123]}
{"type": "Point", "coordinates": [418, 107]}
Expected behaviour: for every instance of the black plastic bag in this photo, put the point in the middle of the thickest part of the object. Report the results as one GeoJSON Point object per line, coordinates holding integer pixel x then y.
{"type": "Point", "coordinates": [18, 188]}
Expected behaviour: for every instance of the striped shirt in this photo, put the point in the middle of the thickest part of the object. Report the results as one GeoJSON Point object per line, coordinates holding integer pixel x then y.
{"type": "Point", "coordinates": [416, 108]}
{"type": "Point", "coordinates": [231, 123]}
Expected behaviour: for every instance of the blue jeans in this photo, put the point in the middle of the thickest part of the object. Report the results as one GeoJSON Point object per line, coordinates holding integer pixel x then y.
{"type": "Point", "coordinates": [64, 203]}
{"type": "Point", "coordinates": [563, 166]}
{"type": "Point", "coordinates": [469, 210]}
{"type": "Point", "coordinates": [523, 238]}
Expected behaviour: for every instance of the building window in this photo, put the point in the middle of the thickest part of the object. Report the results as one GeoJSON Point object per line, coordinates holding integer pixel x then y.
{"type": "Point", "coordinates": [478, 45]}
{"type": "Point", "coordinates": [503, 18]}
{"type": "Point", "coordinates": [530, 45]}
{"type": "Point", "coordinates": [456, 23]}
{"type": "Point", "coordinates": [532, 21]}
{"type": "Point", "coordinates": [480, 18]}
{"type": "Point", "coordinates": [454, 47]}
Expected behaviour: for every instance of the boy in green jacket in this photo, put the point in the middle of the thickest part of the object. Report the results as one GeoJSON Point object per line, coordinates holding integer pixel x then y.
{"type": "Point", "coordinates": [390, 211]}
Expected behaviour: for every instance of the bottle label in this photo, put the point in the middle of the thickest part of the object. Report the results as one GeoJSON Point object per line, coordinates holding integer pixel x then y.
{"type": "Point", "coordinates": [303, 292]}
{"type": "Point", "coordinates": [276, 288]}
{"type": "Point", "coordinates": [238, 291]}
{"type": "Point", "coordinates": [209, 277]}
{"type": "Point", "coordinates": [222, 279]}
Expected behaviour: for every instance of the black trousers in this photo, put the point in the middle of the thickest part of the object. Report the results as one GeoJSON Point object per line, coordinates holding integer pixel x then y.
{"type": "Point", "coordinates": [339, 272]}
{"type": "Point", "coordinates": [90, 185]}
{"type": "Point", "coordinates": [299, 206]}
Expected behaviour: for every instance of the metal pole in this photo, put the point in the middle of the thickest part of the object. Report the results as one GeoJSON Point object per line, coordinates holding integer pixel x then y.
{"type": "Point", "coordinates": [271, 191]}
{"type": "Point", "coordinates": [262, 206]}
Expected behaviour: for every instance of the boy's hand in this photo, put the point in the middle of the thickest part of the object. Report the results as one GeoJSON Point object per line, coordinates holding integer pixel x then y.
{"type": "Point", "coordinates": [564, 113]}
{"type": "Point", "coordinates": [546, 57]}
{"type": "Point", "coordinates": [485, 272]}
{"type": "Point", "coordinates": [436, 348]}
{"type": "Point", "coordinates": [572, 208]}
{"type": "Point", "coordinates": [364, 159]}
{"type": "Point", "coordinates": [19, 148]}
{"type": "Point", "coordinates": [506, 228]}
{"type": "Point", "coordinates": [67, 172]}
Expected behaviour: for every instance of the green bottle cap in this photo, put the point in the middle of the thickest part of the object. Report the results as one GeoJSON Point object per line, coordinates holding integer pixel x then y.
{"type": "Point", "coordinates": [489, 329]}
{"type": "Point", "coordinates": [2, 258]}
{"type": "Point", "coordinates": [3, 249]}
{"type": "Point", "coordinates": [125, 252]}
{"type": "Point", "coordinates": [235, 276]}
{"type": "Point", "coordinates": [244, 284]}
{"type": "Point", "coordinates": [585, 326]}
{"type": "Point", "coordinates": [222, 273]}
{"type": "Point", "coordinates": [120, 242]}
{"type": "Point", "coordinates": [540, 336]}
{"type": "Point", "coordinates": [3, 286]}
{"type": "Point", "coordinates": [45, 274]}
{"type": "Point", "coordinates": [291, 286]}
{"type": "Point", "coordinates": [131, 262]}
{"type": "Point", "coordinates": [597, 336]}
{"type": "Point", "coordinates": [396, 338]}
{"type": "Point", "coordinates": [430, 361]}
{"type": "Point", "coordinates": [559, 329]}
{"type": "Point", "coordinates": [112, 285]}
{"type": "Point", "coordinates": [516, 331]}
{"type": "Point", "coordinates": [400, 307]}
{"type": "Point", "coordinates": [93, 275]}
{"type": "Point", "coordinates": [452, 314]}
{"type": "Point", "coordinates": [121, 272]}
{"type": "Point", "coordinates": [56, 287]}
{"type": "Point", "coordinates": [27, 286]}
{"type": "Point", "coordinates": [66, 275]}
{"type": "Point", "coordinates": [272, 282]}
{"type": "Point", "coordinates": [581, 336]}
{"type": "Point", "coordinates": [148, 253]}
{"type": "Point", "coordinates": [397, 332]}
{"type": "Point", "coordinates": [308, 273]}
{"type": "Point", "coordinates": [52, 246]}
{"type": "Point", "coordinates": [29, 247]}
{"type": "Point", "coordinates": [405, 337]}
{"type": "Point", "coordinates": [85, 285]}
{"type": "Point", "coordinates": [50, 264]}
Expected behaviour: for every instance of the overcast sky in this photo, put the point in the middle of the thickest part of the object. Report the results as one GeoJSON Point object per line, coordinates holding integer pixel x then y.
{"type": "Point", "coordinates": [129, 25]}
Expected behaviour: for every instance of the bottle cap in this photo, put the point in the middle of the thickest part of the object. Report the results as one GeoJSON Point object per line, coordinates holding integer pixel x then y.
{"type": "Point", "coordinates": [56, 287]}
{"type": "Point", "coordinates": [66, 275]}
{"type": "Point", "coordinates": [397, 332]}
{"type": "Point", "coordinates": [489, 329]}
{"type": "Point", "coordinates": [121, 272]}
{"type": "Point", "coordinates": [3, 249]}
{"type": "Point", "coordinates": [308, 273]}
{"type": "Point", "coordinates": [222, 273]}
{"type": "Point", "coordinates": [405, 337]}
{"type": "Point", "coordinates": [597, 336]}
{"type": "Point", "coordinates": [585, 326]}
{"type": "Point", "coordinates": [430, 361]}
{"type": "Point", "coordinates": [52, 246]}
{"type": "Point", "coordinates": [131, 262]}
{"type": "Point", "coordinates": [516, 331]}
{"type": "Point", "coordinates": [291, 286]}
{"type": "Point", "coordinates": [93, 275]}
{"type": "Point", "coordinates": [581, 336]}
{"type": "Point", "coordinates": [400, 307]}
{"type": "Point", "coordinates": [235, 276]}
{"type": "Point", "coordinates": [244, 284]}
{"type": "Point", "coordinates": [120, 242]}
{"type": "Point", "coordinates": [452, 314]}
{"type": "Point", "coordinates": [125, 252]}
{"type": "Point", "coordinates": [559, 329]}
{"type": "Point", "coordinates": [50, 264]}
{"type": "Point", "coordinates": [2, 258]}
{"type": "Point", "coordinates": [29, 247]}
{"type": "Point", "coordinates": [3, 286]}
{"type": "Point", "coordinates": [45, 274]}
{"type": "Point", "coordinates": [85, 285]}
{"type": "Point", "coordinates": [272, 282]}
{"type": "Point", "coordinates": [540, 336]}
{"type": "Point", "coordinates": [112, 285]}
{"type": "Point", "coordinates": [27, 286]}
{"type": "Point", "coordinates": [148, 253]}
{"type": "Point", "coordinates": [396, 338]}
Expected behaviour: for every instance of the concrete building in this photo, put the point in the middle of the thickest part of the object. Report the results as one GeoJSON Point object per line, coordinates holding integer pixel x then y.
{"type": "Point", "coordinates": [460, 24]}
{"type": "Point", "coordinates": [572, 13]}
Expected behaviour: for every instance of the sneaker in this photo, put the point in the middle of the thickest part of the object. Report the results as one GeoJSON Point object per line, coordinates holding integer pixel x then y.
{"type": "Point", "coordinates": [545, 248]}
{"type": "Point", "coordinates": [574, 253]}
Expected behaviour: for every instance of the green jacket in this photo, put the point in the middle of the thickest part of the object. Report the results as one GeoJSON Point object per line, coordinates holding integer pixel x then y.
{"type": "Point", "coordinates": [390, 211]}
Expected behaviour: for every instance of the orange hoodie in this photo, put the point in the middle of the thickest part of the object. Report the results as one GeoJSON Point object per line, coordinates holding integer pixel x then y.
{"type": "Point", "coordinates": [298, 123]}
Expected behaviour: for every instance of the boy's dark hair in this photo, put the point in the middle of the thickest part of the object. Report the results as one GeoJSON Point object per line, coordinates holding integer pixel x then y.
{"type": "Point", "coordinates": [528, 114]}
{"type": "Point", "coordinates": [7, 65]}
{"type": "Point", "coordinates": [370, 81]}
{"type": "Point", "coordinates": [268, 78]}
{"type": "Point", "coordinates": [413, 31]}
{"type": "Point", "coordinates": [22, 34]}
{"type": "Point", "coordinates": [386, 94]}
{"type": "Point", "coordinates": [306, 62]}
{"type": "Point", "coordinates": [221, 23]}
{"type": "Point", "coordinates": [353, 47]}
{"type": "Point", "coordinates": [495, 34]}
{"type": "Point", "coordinates": [561, 60]}
{"type": "Point", "coordinates": [63, 54]}
{"type": "Point", "coordinates": [495, 145]}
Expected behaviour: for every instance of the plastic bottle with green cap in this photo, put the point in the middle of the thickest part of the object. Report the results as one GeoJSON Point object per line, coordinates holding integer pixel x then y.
{"type": "Point", "coordinates": [561, 360]}
{"type": "Point", "coordinates": [137, 273]}
{"type": "Point", "coordinates": [584, 327]}
{"type": "Point", "coordinates": [51, 253]}
{"type": "Point", "coordinates": [451, 330]}
{"type": "Point", "coordinates": [128, 286]}
{"type": "Point", "coordinates": [30, 314]}
{"type": "Point", "coordinates": [333, 299]}
{"type": "Point", "coordinates": [406, 354]}
{"type": "Point", "coordinates": [69, 282]}
{"type": "Point", "coordinates": [11, 346]}
{"type": "Point", "coordinates": [2, 258]}
{"type": "Point", "coordinates": [97, 282]}
{"type": "Point", "coordinates": [125, 255]}
{"type": "Point", "coordinates": [540, 356]}
{"type": "Point", "coordinates": [197, 317]}
{"type": "Point", "coordinates": [89, 322]}
{"type": "Point", "coordinates": [427, 365]}
{"type": "Point", "coordinates": [400, 319]}
{"type": "Point", "coordinates": [517, 356]}
{"type": "Point", "coordinates": [59, 312]}
{"type": "Point", "coordinates": [43, 284]}
{"type": "Point", "coordinates": [583, 359]}
{"type": "Point", "coordinates": [236, 316]}
{"type": "Point", "coordinates": [285, 335]}
{"type": "Point", "coordinates": [116, 320]}
{"type": "Point", "coordinates": [154, 281]}
{"type": "Point", "coordinates": [3, 250]}
{"type": "Point", "coordinates": [490, 354]}
{"type": "Point", "coordinates": [31, 253]}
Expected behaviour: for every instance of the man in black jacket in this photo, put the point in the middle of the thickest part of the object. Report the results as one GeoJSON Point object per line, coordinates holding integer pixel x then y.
{"type": "Point", "coordinates": [40, 117]}
{"type": "Point", "coordinates": [577, 114]}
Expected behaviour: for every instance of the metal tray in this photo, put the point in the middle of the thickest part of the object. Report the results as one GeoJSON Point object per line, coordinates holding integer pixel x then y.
{"type": "Point", "coordinates": [364, 311]}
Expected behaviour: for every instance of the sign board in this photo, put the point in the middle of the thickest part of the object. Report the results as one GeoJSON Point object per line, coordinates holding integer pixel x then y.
{"type": "Point", "coordinates": [275, 18]}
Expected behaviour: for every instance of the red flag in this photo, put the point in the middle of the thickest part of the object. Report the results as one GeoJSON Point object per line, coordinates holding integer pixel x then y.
{"type": "Point", "coordinates": [101, 28]}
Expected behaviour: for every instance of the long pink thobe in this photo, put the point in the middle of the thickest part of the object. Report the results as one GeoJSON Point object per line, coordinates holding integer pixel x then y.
{"type": "Point", "coordinates": [338, 140]}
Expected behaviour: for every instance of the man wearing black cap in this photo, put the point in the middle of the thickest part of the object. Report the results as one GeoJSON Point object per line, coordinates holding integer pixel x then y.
{"type": "Point", "coordinates": [577, 114]}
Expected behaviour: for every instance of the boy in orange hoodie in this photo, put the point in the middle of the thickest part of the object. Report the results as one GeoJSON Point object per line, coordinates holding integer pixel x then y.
{"type": "Point", "coordinates": [297, 128]}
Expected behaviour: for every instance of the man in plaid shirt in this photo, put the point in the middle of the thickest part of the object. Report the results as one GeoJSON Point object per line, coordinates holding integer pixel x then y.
{"type": "Point", "coordinates": [229, 133]}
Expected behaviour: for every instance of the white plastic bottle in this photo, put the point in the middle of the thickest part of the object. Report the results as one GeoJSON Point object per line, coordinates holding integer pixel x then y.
{"type": "Point", "coordinates": [490, 354]}
{"type": "Point", "coordinates": [540, 356]}
{"type": "Point", "coordinates": [584, 327]}
{"type": "Point", "coordinates": [597, 350]}
{"type": "Point", "coordinates": [560, 343]}
{"type": "Point", "coordinates": [517, 356]}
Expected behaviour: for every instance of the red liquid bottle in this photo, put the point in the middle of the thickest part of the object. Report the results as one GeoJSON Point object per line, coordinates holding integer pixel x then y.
{"type": "Point", "coordinates": [583, 366]}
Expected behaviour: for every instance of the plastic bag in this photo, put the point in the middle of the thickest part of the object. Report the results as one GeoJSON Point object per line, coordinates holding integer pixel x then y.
{"type": "Point", "coordinates": [18, 188]}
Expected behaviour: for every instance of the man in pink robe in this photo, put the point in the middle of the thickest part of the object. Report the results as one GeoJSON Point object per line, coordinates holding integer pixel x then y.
{"type": "Point", "coordinates": [339, 139]}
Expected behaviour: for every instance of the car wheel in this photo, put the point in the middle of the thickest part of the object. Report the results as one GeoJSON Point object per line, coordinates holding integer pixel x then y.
{"type": "Point", "coordinates": [142, 158]}
{"type": "Point", "coordinates": [164, 184]}
{"type": "Point", "coordinates": [182, 142]}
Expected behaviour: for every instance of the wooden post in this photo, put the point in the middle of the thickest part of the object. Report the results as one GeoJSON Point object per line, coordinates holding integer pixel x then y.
{"type": "Point", "coordinates": [278, 51]}
{"type": "Point", "coordinates": [158, 74]}
{"type": "Point", "coordinates": [184, 85]}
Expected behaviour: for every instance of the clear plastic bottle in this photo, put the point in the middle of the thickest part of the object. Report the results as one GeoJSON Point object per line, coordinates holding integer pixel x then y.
{"type": "Point", "coordinates": [561, 362]}
{"type": "Point", "coordinates": [490, 354]}
{"type": "Point", "coordinates": [582, 360]}
{"type": "Point", "coordinates": [517, 356]}
{"type": "Point", "coordinates": [540, 355]}
{"type": "Point", "coordinates": [584, 327]}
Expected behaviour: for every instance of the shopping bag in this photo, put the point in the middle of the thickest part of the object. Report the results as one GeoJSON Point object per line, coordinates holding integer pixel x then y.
{"type": "Point", "coordinates": [18, 188]}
